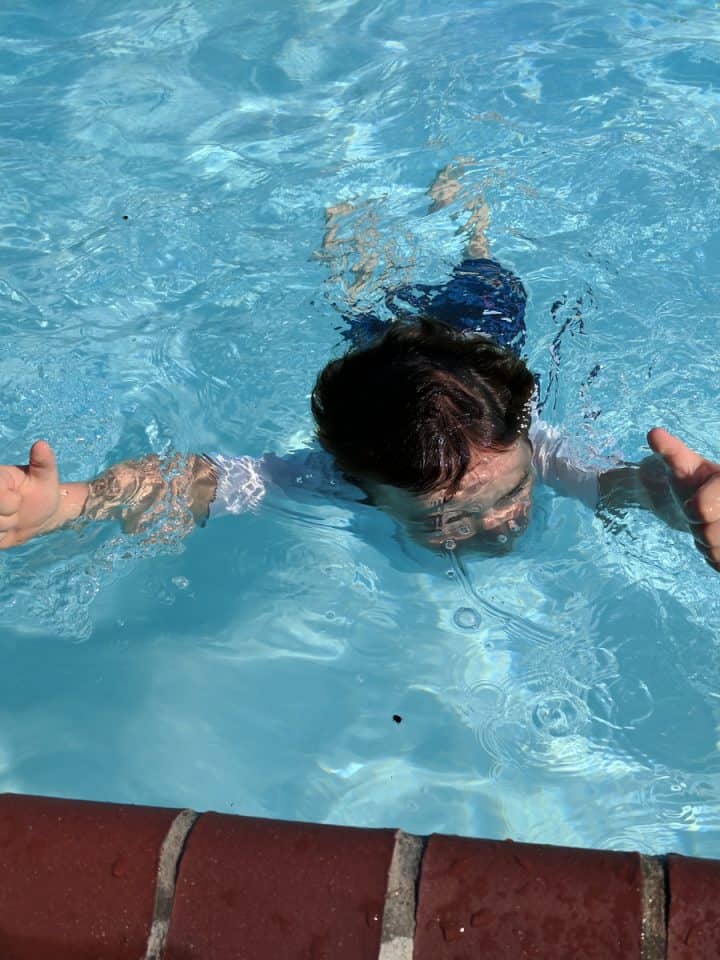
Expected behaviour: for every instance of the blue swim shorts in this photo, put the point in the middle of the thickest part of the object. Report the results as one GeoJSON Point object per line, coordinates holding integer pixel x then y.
{"type": "Point", "coordinates": [481, 295]}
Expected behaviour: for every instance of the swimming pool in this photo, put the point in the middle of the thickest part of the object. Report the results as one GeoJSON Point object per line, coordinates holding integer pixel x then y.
{"type": "Point", "coordinates": [165, 173]}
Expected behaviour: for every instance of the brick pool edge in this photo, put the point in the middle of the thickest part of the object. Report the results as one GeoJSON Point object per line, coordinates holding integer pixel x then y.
{"type": "Point", "coordinates": [100, 881]}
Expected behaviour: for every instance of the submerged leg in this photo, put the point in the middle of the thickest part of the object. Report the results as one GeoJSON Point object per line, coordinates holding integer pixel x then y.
{"type": "Point", "coordinates": [333, 219]}
{"type": "Point", "coordinates": [481, 296]}
{"type": "Point", "coordinates": [444, 189]}
{"type": "Point", "coordinates": [476, 246]}
{"type": "Point", "coordinates": [354, 255]}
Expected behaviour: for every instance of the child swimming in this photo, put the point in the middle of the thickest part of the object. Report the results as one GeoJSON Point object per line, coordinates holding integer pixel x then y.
{"type": "Point", "coordinates": [431, 416]}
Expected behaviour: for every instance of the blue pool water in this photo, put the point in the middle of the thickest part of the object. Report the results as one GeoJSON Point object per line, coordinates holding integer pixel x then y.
{"type": "Point", "coordinates": [568, 692]}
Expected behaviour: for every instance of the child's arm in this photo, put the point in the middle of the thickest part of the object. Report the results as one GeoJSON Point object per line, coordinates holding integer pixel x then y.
{"type": "Point", "coordinates": [677, 484]}
{"type": "Point", "coordinates": [696, 484]}
{"type": "Point", "coordinates": [645, 485]}
{"type": "Point", "coordinates": [34, 501]}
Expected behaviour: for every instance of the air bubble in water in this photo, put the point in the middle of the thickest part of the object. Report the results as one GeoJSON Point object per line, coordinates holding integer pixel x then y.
{"type": "Point", "coordinates": [558, 716]}
{"type": "Point", "coordinates": [502, 538]}
{"type": "Point", "coordinates": [182, 583]}
{"type": "Point", "coordinates": [466, 618]}
{"type": "Point", "coordinates": [450, 544]}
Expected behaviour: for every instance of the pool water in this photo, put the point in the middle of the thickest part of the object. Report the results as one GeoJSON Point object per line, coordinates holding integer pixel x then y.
{"type": "Point", "coordinates": [164, 176]}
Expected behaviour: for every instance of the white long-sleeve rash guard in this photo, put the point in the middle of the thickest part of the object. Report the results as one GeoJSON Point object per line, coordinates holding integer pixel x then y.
{"type": "Point", "coordinates": [243, 481]}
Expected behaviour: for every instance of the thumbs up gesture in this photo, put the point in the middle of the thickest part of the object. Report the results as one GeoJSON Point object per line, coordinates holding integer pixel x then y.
{"type": "Point", "coordinates": [696, 483]}
{"type": "Point", "coordinates": [29, 497]}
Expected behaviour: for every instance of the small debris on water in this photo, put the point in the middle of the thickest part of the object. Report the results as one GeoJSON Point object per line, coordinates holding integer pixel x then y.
{"type": "Point", "coordinates": [397, 718]}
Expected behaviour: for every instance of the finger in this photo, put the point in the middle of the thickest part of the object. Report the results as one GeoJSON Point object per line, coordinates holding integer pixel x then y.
{"type": "Point", "coordinates": [687, 467]}
{"type": "Point", "coordinates": [9, 538]}
{"type": "Point", "coordinates": [42, 466]}
{"type": "Point", "coordinates": [707, 542]}
{"type": "Point", "coordinates": [707, 536]}
{"type": "Point", "coordinates": [9, 477]}
{"type": "Point", "coordinates": [7, 523]}
{"type": "Point", "coordinates": [704, 507]}
{"type": "Point", "coordinates": [10, 502]}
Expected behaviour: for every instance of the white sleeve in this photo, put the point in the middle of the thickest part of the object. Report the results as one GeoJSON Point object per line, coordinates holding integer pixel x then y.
{"type": "Point", "coordinates": [556, 466]}
{"type": "Point", "coordinates": [240, 485]}
{"type": "Point", "coordinates": [243, 482]}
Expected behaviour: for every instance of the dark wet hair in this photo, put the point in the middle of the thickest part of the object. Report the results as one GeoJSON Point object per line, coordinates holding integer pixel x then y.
{"type": "Point", "coordinates": [408, 409]}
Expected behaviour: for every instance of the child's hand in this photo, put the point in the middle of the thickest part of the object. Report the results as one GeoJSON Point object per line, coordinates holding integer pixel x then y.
{"type": "Point", "coordinates": [29, 497]}
{"type": "Point", "coordinates": [696, 483]}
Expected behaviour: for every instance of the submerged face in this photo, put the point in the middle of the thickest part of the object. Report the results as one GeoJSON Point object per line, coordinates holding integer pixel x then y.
{"type": "Point", "coordinates": [491, 505]}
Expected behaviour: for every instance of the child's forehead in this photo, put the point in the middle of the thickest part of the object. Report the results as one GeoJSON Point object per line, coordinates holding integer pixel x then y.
{"type": "Point", "coordinates": [490, 471]}
{"type": "Point", "coordinates": [488, 465]}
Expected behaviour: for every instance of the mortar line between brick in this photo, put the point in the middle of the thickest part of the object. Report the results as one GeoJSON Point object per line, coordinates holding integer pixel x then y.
{"type": "Point", "coordinates": [398, 926]}
{"type": "Point", "coordinates": [171, 853]}
{"type": "Point", "coordinates": [653, 930]}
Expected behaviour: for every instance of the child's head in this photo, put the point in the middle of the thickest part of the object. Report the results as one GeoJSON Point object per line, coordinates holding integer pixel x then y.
{"type": "Point", "coordinates": [439, 414]}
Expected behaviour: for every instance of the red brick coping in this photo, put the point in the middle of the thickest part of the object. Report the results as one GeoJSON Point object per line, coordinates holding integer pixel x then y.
{"type": "Point", "coordinates": [100, 881]}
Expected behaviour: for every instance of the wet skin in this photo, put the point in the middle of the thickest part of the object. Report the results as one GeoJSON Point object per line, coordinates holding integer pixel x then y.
{"type": "Point", "coordinates": [491, 506]}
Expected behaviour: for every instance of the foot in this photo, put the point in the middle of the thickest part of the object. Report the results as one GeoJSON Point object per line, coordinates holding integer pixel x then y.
{"type": "Point", "coordinates": [446, 185]}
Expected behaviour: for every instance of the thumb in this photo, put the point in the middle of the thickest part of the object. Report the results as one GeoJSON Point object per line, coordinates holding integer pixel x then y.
{"type": "Point", "coordinates": [42, 466]}
{"type": "Point", "coordinates": [687, 467]}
